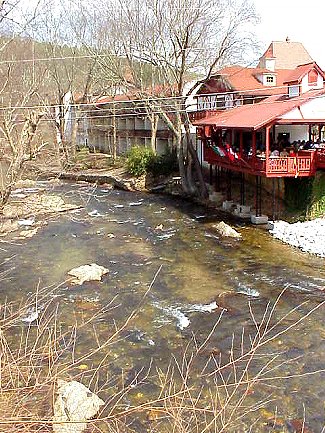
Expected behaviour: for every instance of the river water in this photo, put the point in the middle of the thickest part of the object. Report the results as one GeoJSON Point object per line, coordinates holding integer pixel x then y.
{"type": "Point", "coordinates": [166, 261]}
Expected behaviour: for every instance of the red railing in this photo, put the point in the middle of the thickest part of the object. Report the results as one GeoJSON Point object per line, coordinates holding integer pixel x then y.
{"type": "Point", "coordinates": [320, 158]}
{"type": "Point", "coordinates": [297, 166]}
{"type": "Point", "coordinates": [291, 165]}
{"type": "Point", "coordinates": [199, 115]}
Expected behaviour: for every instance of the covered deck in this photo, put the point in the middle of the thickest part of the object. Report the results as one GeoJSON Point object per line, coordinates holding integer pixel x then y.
{"type": "Point", "coordinates": [303, 163]}
{"type": "Point", "coordinates": [247, 138]}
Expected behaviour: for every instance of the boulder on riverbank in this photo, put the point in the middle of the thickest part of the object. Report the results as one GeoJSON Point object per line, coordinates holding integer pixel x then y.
{"type": "Point", "coordinates": [309, 236]}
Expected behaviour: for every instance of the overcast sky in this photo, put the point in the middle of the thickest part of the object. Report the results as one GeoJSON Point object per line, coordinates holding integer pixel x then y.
{"type": "Point", "coordinates": [300, 21]}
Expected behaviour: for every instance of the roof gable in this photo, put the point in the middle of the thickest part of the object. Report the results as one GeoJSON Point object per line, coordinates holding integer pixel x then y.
{"type": "Point", "coordinates": [302, 70]}
{"type": "Point", "coordinates": [287, 55]}
{"type": "Point", "coordinates": [238, 78]}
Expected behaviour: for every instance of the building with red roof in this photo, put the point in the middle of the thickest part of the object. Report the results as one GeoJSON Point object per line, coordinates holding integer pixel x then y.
{"type": "Point", "coordinates": [263, 121]}
{"type": "Point", "coordinates": [282, 63]}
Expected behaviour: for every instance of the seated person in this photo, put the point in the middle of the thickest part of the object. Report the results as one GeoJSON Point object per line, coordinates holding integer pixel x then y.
{"type": "Point", "coordinates": [275, 152]}
{"type": "Point", "coordinates": [284, 152]}
{"type": "Point", "coordinates": [230, 152]}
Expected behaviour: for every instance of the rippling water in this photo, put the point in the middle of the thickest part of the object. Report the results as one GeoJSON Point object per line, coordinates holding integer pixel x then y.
{"type": "Point", "coordinates": [194, 275]}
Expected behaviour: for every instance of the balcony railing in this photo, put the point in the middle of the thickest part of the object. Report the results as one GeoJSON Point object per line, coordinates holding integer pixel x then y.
{"type": "Point", "coordinates": [320, 158]}
{"type": "Point", "coordinates": [293, 166]}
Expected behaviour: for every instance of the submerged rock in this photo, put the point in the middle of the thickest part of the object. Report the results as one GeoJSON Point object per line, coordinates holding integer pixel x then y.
{"type": "Point", "coordinates": [31, 316]}
{"type": "Point", "coordinates": [225, 230]}
{"type": "Point", "coordinates": [74, 402]}
{"type": "Point", "coordinates": [92, 272]}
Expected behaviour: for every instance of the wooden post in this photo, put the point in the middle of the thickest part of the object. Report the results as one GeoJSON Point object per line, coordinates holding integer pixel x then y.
{"type": "Point", "coordinates": [241, 144]}
{"type": "Point", "coordinates": [267, 147]}
{"type": "Point", "coordinates": [254, 146]}
{"type": "Point", "coordinates": [231, 137]}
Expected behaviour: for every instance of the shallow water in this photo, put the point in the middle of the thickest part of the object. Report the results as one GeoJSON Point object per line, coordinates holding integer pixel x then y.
{"type": "Point", "coordinates": [194, 275]}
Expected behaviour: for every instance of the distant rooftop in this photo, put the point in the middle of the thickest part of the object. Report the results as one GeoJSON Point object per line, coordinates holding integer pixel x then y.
{"type": "Point", "coordinates": [287, 55]}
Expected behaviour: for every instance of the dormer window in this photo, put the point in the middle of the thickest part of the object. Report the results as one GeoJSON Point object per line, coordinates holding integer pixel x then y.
{"type": "Point", "coordinates": [269, 79]}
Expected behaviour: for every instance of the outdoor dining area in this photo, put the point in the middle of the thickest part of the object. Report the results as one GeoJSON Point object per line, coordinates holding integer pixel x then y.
{"type": "Point", "coordinates": [244, 152]}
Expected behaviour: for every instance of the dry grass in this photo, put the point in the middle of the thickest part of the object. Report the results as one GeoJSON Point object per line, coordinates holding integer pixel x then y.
{"type": "Point", "coordinates": [215, 398]}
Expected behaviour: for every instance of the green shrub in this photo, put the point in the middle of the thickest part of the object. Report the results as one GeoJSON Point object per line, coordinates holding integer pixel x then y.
{"type": "Point", "coordinates": [164, 164]}
{"type": "Point", "coordinates": [297, 194]}
{"type": "Point", "coordinates": [139, 160]}
{"type": "Point", "coordinates": [142, 160]}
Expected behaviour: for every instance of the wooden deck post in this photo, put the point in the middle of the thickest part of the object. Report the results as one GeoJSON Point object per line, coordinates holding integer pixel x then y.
{"type": "Point", "coordinates": [211, 175]}
{"type": "Point", "coordinates": [267, 147]}
{"type": "Point", "coordinates": [254, 145]}
{"type": "Point", "coordinates": [241, 144]}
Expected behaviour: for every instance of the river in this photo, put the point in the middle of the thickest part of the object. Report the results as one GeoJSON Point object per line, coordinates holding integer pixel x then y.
{"type": "Point", "coordinates": [167, 262]}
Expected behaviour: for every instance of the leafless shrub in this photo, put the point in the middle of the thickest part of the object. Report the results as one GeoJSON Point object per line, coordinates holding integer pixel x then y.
{"type": "Point", "coordinates": [192, 398]}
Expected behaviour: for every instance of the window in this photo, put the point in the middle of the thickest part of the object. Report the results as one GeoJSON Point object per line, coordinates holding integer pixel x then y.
{"type": "Point", "coordinates": [269, 79]}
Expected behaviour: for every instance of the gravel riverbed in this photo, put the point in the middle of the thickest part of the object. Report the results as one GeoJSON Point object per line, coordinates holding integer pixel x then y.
{"type": "Point", "coordinates": [309, 236]}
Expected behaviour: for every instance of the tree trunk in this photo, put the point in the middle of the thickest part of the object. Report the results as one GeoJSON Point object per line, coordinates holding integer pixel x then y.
{"type": "Point", "coordinates": [181, 165]}
{"type": "Point", "coordinates": [154, 127]}
{"type": "Point", "coordinates": [202, 191]}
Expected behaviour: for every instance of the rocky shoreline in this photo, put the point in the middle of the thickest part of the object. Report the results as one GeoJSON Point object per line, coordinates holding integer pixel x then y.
{"type": "Point", "coordinates": [308, 236]}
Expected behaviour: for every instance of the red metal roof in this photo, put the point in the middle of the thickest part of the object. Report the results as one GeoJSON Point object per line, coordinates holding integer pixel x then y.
{"type": "Point", "coordinates": [302, 70]}
{"type": "Point", "coordinates": [255, 116]}
{"type": "Point", "coordinates": [245, 79]}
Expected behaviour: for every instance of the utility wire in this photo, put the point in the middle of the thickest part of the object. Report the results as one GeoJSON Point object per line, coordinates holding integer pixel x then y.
{"type": "Point", "coordinates": [120, 112]}
{"type": "Point", "coordinates": [156, 99]}
{"type": "Point", "coordinates": [167, 112]}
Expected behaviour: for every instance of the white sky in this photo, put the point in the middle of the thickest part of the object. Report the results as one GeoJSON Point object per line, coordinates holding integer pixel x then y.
{"type": "Point", "coordinates": [301, 21]}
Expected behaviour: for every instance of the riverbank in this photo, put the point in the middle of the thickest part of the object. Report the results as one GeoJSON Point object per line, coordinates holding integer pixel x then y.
{"type": "Point", "coordinates": [308, 236]}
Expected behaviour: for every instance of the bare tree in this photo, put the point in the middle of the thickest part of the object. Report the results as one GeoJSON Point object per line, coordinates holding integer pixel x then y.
{"type": "Point", "coordinates": [70, 73]}
{"type": "Point", "coordinates": [154, 47]}
{"type": "Point", "coordinates": [20, 84]}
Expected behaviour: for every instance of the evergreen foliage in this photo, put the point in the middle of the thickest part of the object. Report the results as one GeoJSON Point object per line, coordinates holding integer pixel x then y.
{"type": "Point", "coordinates": [297, 193]}
{"type": "Point", "coordinates": [316, 208]}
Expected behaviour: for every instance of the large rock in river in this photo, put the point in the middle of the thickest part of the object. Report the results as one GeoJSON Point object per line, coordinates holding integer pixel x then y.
{"type": "Point", "coordinates": [92, 272]}
{"type": "Point", "coordinates": [225, 230]}
{"type": "Point", "coordinates": [74, 402]}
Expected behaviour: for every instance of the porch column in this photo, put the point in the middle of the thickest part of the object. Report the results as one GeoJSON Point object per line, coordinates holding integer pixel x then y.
{"type": "Point", "coordinates": [267, 147]}
{"type": "Point", "coordinates": [211, 175]}
{"type": "Point", "coordinates": [231, 137]}
{"type": "Point", "coordinates": [254, 145]}
{"type": "Point", "coordinates": [241, 144]}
